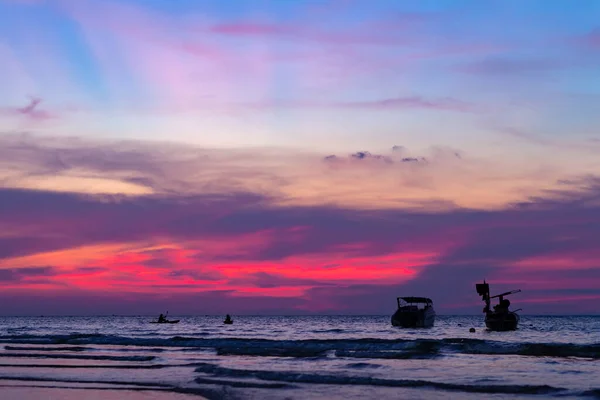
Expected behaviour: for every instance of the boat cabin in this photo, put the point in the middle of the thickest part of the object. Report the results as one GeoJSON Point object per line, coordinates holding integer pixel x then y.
{"type": "Point", "coordinates": [414, 312]}
{"type": "Point", "coordinates": [411, 303]}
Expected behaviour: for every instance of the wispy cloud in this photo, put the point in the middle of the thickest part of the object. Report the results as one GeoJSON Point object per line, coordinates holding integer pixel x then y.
{"type": "Point", "coordinates": [31, 111]}
{"type": "Point", "coordinates": [392, 103]}
{"type": "Point", "coordinates": [525, 66]}
{"type": "Point", "coordinates": [446, 104]}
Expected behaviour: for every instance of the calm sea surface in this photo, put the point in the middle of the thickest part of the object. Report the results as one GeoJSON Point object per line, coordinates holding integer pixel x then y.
{"type": "Point", "coordinates": [317, 357]}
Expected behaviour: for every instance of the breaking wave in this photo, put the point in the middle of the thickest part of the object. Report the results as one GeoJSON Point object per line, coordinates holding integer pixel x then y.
{"type": "Point", "coordinates": [294, 377]}
{"type": "Point", "coordinates": [347, 348]}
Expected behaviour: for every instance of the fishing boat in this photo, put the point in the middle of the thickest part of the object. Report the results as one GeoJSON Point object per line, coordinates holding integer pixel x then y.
{"type": "Point", "coordinates": [409, 315]}
{"type": "Point", "coordinates": [500, 318]}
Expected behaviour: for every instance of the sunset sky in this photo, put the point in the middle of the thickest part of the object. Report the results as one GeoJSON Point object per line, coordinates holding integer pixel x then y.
{"type": "Point", "coordinates": [298, 157]}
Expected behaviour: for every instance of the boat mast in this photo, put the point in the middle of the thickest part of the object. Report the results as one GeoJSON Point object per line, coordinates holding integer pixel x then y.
{"type": "Point", "coordinates": [483, 289]}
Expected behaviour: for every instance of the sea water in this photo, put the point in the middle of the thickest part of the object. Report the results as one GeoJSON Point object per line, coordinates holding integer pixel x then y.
{"type": "Point", "coordinates": [300, 357]}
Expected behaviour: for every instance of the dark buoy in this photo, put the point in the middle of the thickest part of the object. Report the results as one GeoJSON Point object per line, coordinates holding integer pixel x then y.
{"type": "Point", "coordinates": [472, 330]}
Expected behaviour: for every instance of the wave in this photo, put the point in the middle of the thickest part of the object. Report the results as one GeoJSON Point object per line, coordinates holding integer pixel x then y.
{"type": "Point", "coordinates": [271, 352]}
{"type": "Point", "coordinates": [386, 355]}
{"type": "Point", "coordinates": [595, 393]}
{"type": "Point", "coordinates": [333, 330]}
{"type": "Point", "coordinates": [528, 349]}
{"type": "Point", "coordinates": [211, 381]}
{"type": "Point", "coordinates": [33, 347]}
{"type": "Point", "coordinates": [104, 385]}
{"type": "Point", "coordinates": [104, 382]}
{"type": "Point", "coordinates": [78, 357]}
{"type": "Point", "coordinates": [94, 366]}
{"type": "Point", "coordinates": [295, 377]}
{"type": "Point", "coordinates": [38, 348]}
{"type": "Point", "coordinates": [347, 348]}
{"type": "Point", "coordinates": [362, 365]}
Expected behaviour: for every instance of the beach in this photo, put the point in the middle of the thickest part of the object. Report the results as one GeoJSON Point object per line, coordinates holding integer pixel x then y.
{"type": "Point", "coordinates": [14, 390]}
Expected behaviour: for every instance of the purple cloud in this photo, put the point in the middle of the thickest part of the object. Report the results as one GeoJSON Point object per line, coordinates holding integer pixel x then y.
{"type": "Point", "coordinates": [499, 235]}
{"type": "Point", "coordinates": [19, 274]}
{"type": "Point", "coordinates": [31, 111]}
{"type": "Point", "coordinates": [366, 155]}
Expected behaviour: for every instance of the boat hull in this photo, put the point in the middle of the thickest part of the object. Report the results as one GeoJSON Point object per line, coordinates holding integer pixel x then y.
{"type": "Point", "coordinates": [165, 322]}
{"type": "Point", "coordinates": [414, 319]}
{"type": "Point", "coordinates": [502, 322]}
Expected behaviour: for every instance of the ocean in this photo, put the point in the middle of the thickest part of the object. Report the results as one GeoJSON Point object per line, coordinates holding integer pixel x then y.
{"type": "Point", "coordinates": [297, 357]}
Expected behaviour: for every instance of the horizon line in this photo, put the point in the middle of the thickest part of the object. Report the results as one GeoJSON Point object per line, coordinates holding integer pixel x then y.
{"type": "Point", "coordinates": [281, 315]}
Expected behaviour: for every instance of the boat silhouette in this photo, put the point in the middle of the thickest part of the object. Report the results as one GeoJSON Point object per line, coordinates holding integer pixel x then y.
{"type": "Point", "coordinates": [162, 319]}
{"type": "Point", "coordinates": [500, 318]}
{"type": "Point", "coordinates": [409, 315]}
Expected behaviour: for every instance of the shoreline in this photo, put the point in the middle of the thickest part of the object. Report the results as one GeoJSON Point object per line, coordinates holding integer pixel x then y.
{"type": "Point", "coordinates": [11, 389]}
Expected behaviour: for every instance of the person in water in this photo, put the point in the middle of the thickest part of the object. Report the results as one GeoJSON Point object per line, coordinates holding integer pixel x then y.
{"type": "Point", "coordinates": [227, 318]}
{"type": "Point", "coordinates": [161, 318]}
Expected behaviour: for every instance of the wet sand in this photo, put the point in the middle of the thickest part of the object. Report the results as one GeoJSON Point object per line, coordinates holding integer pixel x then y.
{"type": "Point", "coordinates": [15, 390]}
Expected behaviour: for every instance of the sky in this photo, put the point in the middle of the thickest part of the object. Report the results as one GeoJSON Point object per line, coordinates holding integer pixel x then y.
{"type": "Point", "coordinates": [298, 157]}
